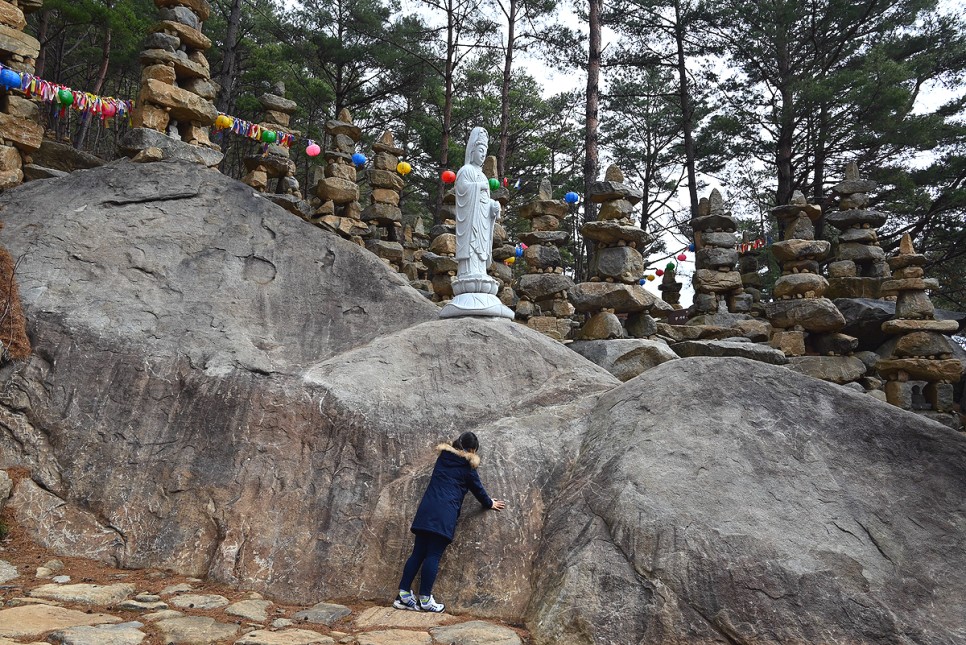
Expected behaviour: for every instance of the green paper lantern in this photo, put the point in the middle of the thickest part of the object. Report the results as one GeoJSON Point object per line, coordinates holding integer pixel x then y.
{"type": "Point", "coordinates": [494, 183]}
{"type": "Point", "coordinates": [64, 97]}
{"type": "Point", "coordinates": [670, 266]}
{"type": "Point", "coordinates": [269, 136]}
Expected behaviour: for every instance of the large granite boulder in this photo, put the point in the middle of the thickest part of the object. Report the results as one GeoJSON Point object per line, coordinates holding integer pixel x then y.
{"type": "Point", "coordinates": [714, 503]}
{"type": "Point", "coordinates": [222, 389]}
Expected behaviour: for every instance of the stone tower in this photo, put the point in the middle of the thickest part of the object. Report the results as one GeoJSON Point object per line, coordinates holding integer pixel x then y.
{"type": "Point", "coordinates": [174, 109]}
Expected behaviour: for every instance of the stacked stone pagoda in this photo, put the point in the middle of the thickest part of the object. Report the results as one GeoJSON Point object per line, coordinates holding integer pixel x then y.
{"type": "Point", "coordinates": [670, 288]}
{"type": "Point", "coordinates": [502, 249]}
{"type": "Point", "coordinates": [549, 312]}
{"type": "Point", "coordinates": [858, 264]}
{"type": "Point", "coordinates": [274, 162]}
{"type": "Point", "coordinates": [175, 101]}
{"type": "Point", "coordinates": [717, 283]}
{"type": "Point", "coordinates": [340, 210]}
{"type": "Point", "coordinates": [383, 213]}
{"type": "Point", "coordinates": [440, 259]}
{"type": "Point", "coordinates": [616, 265]}
{"type": "Point", "coordinates": [806, 322]}
{"type": "Point", "coordinates": [921, 368]}
{"type": "Point", "coordinates": [20, 130]}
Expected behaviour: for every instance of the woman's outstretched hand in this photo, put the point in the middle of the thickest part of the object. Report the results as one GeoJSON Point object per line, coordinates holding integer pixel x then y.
{"type": "Point", "coordinates": [498, 505]}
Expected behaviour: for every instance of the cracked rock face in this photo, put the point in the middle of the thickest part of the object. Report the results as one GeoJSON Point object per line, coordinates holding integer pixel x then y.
{"type": "Point", "coordinates": [722, 506]}
{"type": "Point", "coordinates": [221, 389]}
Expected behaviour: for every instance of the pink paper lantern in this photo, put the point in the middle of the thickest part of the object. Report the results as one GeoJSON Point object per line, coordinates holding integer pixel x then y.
{"type": "Point", "coordinates": [313, 150]}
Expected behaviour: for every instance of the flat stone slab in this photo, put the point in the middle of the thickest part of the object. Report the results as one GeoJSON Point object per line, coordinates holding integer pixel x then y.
{"type": "Point", "coordinates": [624, 358]}
{"type": "Point", "coordinates": [33, 620]}
{"type": "Point", "coordinates": [723, 348]}
{"type": "Point", "coordinates": [195, 630]}
{"type": "Point", "coordinates": [836, 369]}
{"type": "Point", "coordinates": [391, 617]}
{"type": "Point", "coordinates": [254, 610]}
{"type": "Point", "coordinates": [475, 632]}
{"type": "Point", "coordinates": [394, 637]}
{"type": "Point", "coordinates": [285, 637]}
{"type": "Point", "coordinates": [8, 572]}
{"type": "Point", "coordinates": [138, 605]}
{"type": "Point", "coordinates": [161, 615]}
{"type": "Point", "coordinates": [199, 601]}
{"type": "Point", "coordinates": [323, 613]}
{"type": "Point", "coordinates": [120, 634]}
{"type": "Point", "coordinates": [84, 593]}
{"type": "Point", "coordinates": [182, 587]}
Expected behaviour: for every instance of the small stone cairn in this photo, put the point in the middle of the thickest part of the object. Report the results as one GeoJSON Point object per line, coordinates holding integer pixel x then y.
{"type": "Point", "coordinates": [383, 213]}
{"type": "Point", "coordinates": [274, 162]}
{"type": "Point", "coordinates": [616, 265]}
{"type": "Point", "coordinates": [502, 249]}
{"type": "Point", "coordinates": [717, 283]}
{"type": "Point", "coordinates": [805, 321]}
{"type": "Point", "coordinates": [670, 288]}
{"type": "Point", "coordinates": [20, 130]}
{"type": "Point", "coordinates": [858, 264]}
{"type": "Point", "coordinates": [340, 210]}
{"type": "Point", "coordinates": [921, 368]}
{"type": "Point", "coordinates": [543, 308]}
{"type": "Point", "coordinates": [176, 89]}
{"type": "Point", "coordinates": [748, 267]}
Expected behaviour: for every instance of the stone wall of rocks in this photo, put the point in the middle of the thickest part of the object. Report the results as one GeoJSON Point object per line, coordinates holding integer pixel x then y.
{"type": "Point", "coordinates": [20, 132]}
{"type": "Point", "coordinates": [176, 88]}
{"type": "Point", "coordinates": [543, 289]}
{"type": "Point", "coordinates": [338, 208]}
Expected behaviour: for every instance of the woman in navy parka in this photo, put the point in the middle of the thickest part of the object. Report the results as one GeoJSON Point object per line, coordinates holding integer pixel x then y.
{"type": "Point", "coordinates": [435, 521]}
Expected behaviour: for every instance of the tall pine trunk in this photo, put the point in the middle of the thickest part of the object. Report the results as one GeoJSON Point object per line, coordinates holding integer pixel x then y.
{"type": "Point", "coordinates": [687, 112]}
{"type": "Point", "coordinates": [229, 60]}
{"type": "Point", "coordinates": [505, 90]}
{"type": "Point", "coordinates": [98, 86]}
{"type": "Point", "coordinates": [591, 158]}
{"type": "Point", "coordinates": [447, 106]}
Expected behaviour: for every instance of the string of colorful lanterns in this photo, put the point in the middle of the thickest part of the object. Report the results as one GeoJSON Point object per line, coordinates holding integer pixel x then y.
{"type": "Point", "coordinates": [253, 131]}
{"type": "Point", "coordinates": [103, 107]}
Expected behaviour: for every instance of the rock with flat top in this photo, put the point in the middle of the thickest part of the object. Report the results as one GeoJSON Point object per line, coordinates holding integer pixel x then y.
{"type": "Point", "coordinates": [120, 634]}
{"type": "Point", "coordinates": [284, 637]}
{"type": "Point", "coordinates": [86, 594]}
{"type": "Point", "coordinates": [34, 620]}
{"type": "Point", "coordinates": [195, 629]}
{"type": "Point", "coordinates": [475, 632]}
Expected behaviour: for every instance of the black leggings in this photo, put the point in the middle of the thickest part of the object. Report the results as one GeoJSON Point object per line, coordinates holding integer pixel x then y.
{"type": "Point", "coordinates": [427, 550]}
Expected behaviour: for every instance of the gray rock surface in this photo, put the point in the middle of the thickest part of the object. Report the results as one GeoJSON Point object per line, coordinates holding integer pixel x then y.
{"type": "Point", "coordinates": [322, 614]}
{"type": "Point", "coordinates": [138, 139]}
{"type": "Point", "coordinates": [280, 420]}
{"type": "Point", "coordinates": [120, 634]}
{"type": "Point", "coordinates": [624, 358]}
{"type": "Point", "coordinates": [864, 318]}
{"type": "Point", "coordinates": [717, 502]}
{"type": "Point", "coordinates": [8, 572]}
{"type": "Point", "coordinates": [723, 348]}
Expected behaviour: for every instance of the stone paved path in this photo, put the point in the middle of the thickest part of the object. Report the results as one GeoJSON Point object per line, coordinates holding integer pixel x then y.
{"type": "Point", "coordinates": [44, 599]}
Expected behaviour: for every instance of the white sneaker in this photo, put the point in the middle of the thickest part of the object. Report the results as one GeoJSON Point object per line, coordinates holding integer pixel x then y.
{"type": "Point", "coordinates": [409, 603]}
{"type": "Point", "coordinates": [431, 605]}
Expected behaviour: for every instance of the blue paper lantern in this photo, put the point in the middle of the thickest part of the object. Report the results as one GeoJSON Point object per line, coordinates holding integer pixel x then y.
{"type": "Point", "coordinates": [519, 252]}
{"type": "Point", "coordinates": [359, 159]}
{"type": "Point", "coordinates": [571, 198]}
{"type": "Point", "coordinates": [642, 281]}
{"type": "Point", "coordinates": [691, 247]}
{"type": "Point", "coordinates": [10, 79]}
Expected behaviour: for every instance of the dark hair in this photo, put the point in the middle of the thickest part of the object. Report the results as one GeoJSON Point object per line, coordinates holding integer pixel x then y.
{"type": "Point", "coordinates": [467, 441]}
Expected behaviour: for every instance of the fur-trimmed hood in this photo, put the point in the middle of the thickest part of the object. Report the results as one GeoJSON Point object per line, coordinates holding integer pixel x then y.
{"type": "Point", "coordinates": [468, 456]}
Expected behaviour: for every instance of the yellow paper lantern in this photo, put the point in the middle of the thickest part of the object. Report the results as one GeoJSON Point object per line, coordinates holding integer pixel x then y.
{"type": "Point", "coordinates": [403, 168]}
{"type": "Point", "coordinates": [509, 261]}
{"type": "Point", "coordinates": [223, 122]}
{"type": "Point", "coordinates": [649, 277]}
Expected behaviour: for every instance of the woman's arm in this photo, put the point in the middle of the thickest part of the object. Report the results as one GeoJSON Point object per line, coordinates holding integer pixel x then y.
{"type": "Point", "coordinates": [476, 487]}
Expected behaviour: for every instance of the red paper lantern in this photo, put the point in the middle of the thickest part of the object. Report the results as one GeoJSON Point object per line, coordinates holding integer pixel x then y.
{"type": "Point", "coordinates": [659, 272]}
{"type": "Point", "coordinates": [448, 176]}
{"type": "Point", "coordinates": [682, 257]}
